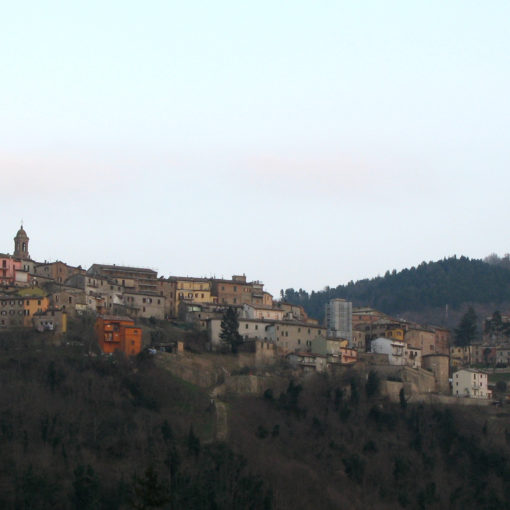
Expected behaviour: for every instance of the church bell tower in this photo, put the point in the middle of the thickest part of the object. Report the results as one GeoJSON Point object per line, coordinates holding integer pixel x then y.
{"type": "Point", "coordinates": [21, 245]}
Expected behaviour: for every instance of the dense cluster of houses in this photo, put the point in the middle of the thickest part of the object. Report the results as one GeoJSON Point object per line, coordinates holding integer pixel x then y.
{"type": "Point", "coordinates": [43, 294]}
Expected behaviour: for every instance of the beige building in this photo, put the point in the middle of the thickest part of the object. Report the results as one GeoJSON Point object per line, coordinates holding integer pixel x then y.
{"type": "Point", "coordinates": [439, 365]}
{"type": "Point", "coordinates": [295, 336]}
{"type": "Point", "coordinates": [287, 336]}
{"type": "Point", "coordinates": [238, 291]}
{"type": "Point", "coordinates": [412, 356]}
{"type": "Point", "coordinates": [58, 271]}
{"type": "Point", "coordinates": [136, 278]}
{"type": "Point", "coordinates": [262, 312]}
{"type": "Point", "coordinates": [421, 338]}
{"type": "Point", "coordinates": [191, 290]}
{"type": "Point", "coordinates": [358, 340]}
{"type": "Point", "coordinates": [307, 361]}
{"type": "Point", "coordinates": [148, 304]}
{"type": "Point", "coordinates": [167, 288]}
{"type": "Point", "coordinates": [470, 383]}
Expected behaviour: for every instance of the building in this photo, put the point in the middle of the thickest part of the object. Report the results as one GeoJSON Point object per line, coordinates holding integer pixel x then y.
{"type": "Point", "coordinates": [117, 333]}
{"type": "Point", "coordinates": [9, 267]}
{"type": "Point", "coordinates": [307, 361]}
{"type": "Point", "coordinates": [442, 339]}
{"type": "Point", "coordinates": [53, 319]}
{"type": "Point", "coordinates": [439, 365]}
{"type": "Point", "coordinates": [394, 349]}
{"type": "Point", "coordinates": [470, 383]}
{"type": "Point", "coordinates": [167, 287]}
{"type": "Point", "coordinates": [133, 278]}
{"type": "Point", "coordinates": [421, 338]}
{"type": "Point", "coordinates": [191, 290]}
{"type": "Point", "coordinates": [339, 319]}
{"type": "Point", "coordinates": [288, 336]}
{"type": "Point", "coordinates": [58, 271]}
{"type": "Point", "coordinates": [262, 312]}
{"type": "Point", "coordinates": [412, 356]}
{"type": "Point", "coordinates": [148, 304]}
{"type": "Point", "coordinates": [238, 291]}
{"type": "Point", "coordinates": [18, 308]}
{"type": "Point", "coordinates": [21, 245]}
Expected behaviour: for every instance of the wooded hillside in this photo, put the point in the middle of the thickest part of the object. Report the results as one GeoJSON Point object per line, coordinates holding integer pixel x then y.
{"type": "Point", "coordinates": [430, 286]}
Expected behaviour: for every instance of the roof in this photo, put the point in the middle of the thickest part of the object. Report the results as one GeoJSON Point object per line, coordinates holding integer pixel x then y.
{"type": "Point", "coordinates": [21, 232]}
{"type": "Point", "coordinates": [471, 370]}
{"type": "Point", "coordinates": [116, 318]}
{"type": "Point", "coordinates": [110, 267]}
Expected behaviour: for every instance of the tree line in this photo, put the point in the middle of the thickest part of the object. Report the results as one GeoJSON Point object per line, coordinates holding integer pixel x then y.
{"type": "Point", "coordinates": [451, 281]}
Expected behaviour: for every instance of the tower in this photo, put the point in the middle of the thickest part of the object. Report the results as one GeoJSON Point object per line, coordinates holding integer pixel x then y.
{"type": "Point", "coordinates": [339, 319]}
{"type": "Point", "coordinates": [21, 244]}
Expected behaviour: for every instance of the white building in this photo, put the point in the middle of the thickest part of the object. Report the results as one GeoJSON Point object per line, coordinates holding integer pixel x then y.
{"type": "Point", "coordinates": [339, 319]}
{"type": "Point", "coordinates": [395, 349]}
{"type": "Point", "coordinates": [470, 383]}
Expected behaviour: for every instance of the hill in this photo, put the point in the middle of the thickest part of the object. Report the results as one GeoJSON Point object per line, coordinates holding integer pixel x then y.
{"type": "Point", "coordinates": [422, 290]}
{"type": "Point", "coordinates": [105, 432]}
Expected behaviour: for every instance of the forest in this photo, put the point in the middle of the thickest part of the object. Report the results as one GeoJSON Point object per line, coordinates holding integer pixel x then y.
{"type": "Point", "coordinates": [80, 431]}
{"type": "Point", "coordinates": [452, 281]}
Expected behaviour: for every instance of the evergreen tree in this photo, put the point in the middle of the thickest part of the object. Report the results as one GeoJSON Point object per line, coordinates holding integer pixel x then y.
{"type": "Point", "coordinates": [466, 332]}
{"type": "Point", "coordinates": [230, 329]}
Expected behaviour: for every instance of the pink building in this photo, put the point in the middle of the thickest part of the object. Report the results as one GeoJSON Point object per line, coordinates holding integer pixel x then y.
{"type": "Point", "coordinates": [8, 269]}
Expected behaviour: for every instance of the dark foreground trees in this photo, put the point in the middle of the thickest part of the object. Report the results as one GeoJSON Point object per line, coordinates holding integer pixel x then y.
{"type": "Point", "coordinates": [230, 330]}
{"type": "Point", "coordinates": [466, 332]}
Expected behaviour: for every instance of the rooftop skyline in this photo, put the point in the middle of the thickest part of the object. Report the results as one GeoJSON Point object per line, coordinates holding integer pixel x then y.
{"type": "Point", "coordinates": [302, 144]}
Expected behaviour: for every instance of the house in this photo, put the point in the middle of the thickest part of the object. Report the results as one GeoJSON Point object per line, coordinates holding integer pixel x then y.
{"type": "Point", "coordinates": [421, 338]}
{"type": "Point", "coordinates": [238, 291]}
{"type": "Point", "coordinates": [53, 319]}
{"type": "Point", "coordinates": [147, 304]}
{"type": "Point", "coordinates": [412, 356]}
{"type": "Point", "coordinates": [290, 336]}
{"type": "Point", "coordinates": [137, 278]}
{"type": "Point", "coordinates": [8, 269]}
{"type": "Point", "coordinates": [307, 361]}
{"type": "Point", "coordinates": [249, 329]}
{"type": "Point", "coordinates": [18, 308]}
{"type": "Point", "coordinates": [262, 312]}
{"type": "Point", "coordinates": [191, 290]}
{"type": "Point", "coordinates": [117, 333]}
{"type": "Point", "coordinates": [394, 349]}
{"type": "Point", "coordinates": [470, 383]}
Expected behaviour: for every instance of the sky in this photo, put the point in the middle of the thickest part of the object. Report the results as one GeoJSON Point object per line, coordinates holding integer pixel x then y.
{"type": "Point", "coordinates": [301, 143]}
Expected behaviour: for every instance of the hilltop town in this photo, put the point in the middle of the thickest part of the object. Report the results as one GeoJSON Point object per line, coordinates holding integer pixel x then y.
{"type": "Point", "coordinates": [124, 389]}
{"type": "Point", "coordinates": [418, 358]}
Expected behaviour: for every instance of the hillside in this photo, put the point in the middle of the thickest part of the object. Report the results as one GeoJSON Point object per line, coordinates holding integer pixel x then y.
{"type": "Point", "coordinates": [81, 432]}
{"type": "Point", "coordinates": [422, 290]}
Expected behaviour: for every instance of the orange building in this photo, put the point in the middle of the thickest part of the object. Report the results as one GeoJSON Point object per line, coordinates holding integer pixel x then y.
{"type": "Point", "coordinates": [116, 333]}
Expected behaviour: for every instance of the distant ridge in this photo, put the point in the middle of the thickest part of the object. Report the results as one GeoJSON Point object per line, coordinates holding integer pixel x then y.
{"type": "Point", "coordinates": [431, 285]}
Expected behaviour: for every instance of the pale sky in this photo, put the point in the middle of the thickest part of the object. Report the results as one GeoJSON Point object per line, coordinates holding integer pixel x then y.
{"type": "Point", "coordinates": [302, 143]}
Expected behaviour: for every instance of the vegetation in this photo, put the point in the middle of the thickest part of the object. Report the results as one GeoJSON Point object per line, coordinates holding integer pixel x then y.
{"type": "Point", "coordinates": [230, 330]}
{"type": "Point", "coordinates": [335, 451]}
{"type": "Point", "coordinates": [451, 281]}
{"type": "Point", "coordinates": [104, 432]}
{"type": "Point", "coordinates": [466, 332]}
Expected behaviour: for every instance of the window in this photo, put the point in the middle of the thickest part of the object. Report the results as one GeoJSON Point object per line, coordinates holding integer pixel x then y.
{"type": "Point", "coordinates": [235, 288]}
{"type": "Point", "coordinates": [70, 299]}
{"type": "Point", "coordinates": [256, 326]}
{"type": "Point", "coordinates": [143, 300]}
